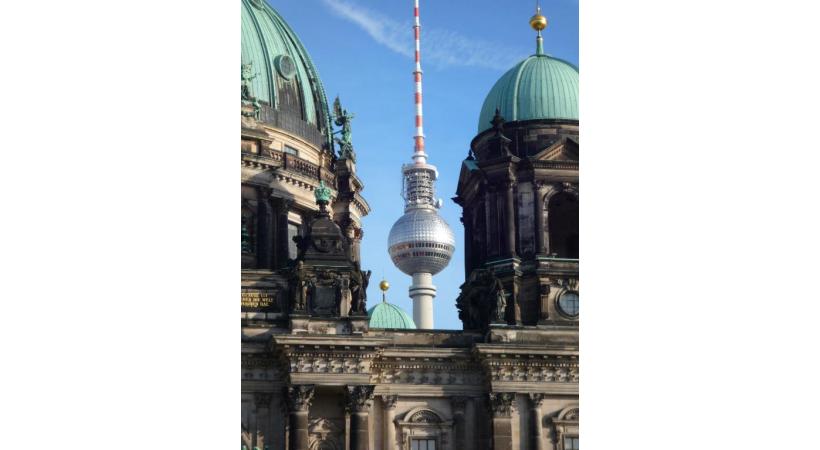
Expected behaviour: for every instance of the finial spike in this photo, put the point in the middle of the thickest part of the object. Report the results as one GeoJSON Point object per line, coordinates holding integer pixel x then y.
{"type": "Point", "coordinates": [538, 22]}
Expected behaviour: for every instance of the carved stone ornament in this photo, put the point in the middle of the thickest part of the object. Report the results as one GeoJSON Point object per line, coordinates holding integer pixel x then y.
{"type": "Point", "coordinates": [390, 401]}
{"type": "Point", "coordinates": [424, 416]}
{"type": "Point", "coordinates": [572, 414]}
{"type": "Point", "coordinates": [359, 398]}
{"type": "Point", "coordinates": [570, 188]}
{"type": "Point", "coordinates": [537, 399]}
{"type": "Point", "coordinates": [502, 403]}
{"type": "Point", "coordinates": [262, 399]}
{"type": "Point", "coordinates": [325, 434]}
{"type": "Point", "coordinates": [300, 397]}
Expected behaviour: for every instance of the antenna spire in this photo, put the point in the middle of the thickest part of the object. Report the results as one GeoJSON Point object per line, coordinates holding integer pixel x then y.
{"type": "Point", "coordinates": [419, 156]}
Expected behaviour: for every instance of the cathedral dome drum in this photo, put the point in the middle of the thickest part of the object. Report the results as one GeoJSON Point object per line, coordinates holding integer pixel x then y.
{"type": "Point", "coordinates": [277, 72]}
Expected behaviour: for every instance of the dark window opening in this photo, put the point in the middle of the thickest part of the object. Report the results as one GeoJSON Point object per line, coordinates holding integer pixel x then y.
{"type": "Point", "coordinates": [563, 225]}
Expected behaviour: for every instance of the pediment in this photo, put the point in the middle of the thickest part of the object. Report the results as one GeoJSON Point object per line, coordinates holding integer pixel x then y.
{"type": "Point", "coordinates": [565, 149]}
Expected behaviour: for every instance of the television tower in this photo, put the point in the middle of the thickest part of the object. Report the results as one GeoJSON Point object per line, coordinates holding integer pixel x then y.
{"type": "Point", "coordinates": [421, 243]}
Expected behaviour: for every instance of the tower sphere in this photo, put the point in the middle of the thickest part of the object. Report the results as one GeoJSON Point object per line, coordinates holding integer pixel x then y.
{"type": "Point", "coordinates": [421, 242]}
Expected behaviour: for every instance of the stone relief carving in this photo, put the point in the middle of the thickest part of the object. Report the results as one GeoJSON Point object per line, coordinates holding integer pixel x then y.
{"type": "Point", "coordinates": [425, 416]}
{"type": "Point", "coordinates": [325, 434]}
{"type": "Point", "coordinates": [572, 414]}
{"type": "Point", "coordinates": [533, 372]}
{"type": "Point", "coordinates": [417, 373]}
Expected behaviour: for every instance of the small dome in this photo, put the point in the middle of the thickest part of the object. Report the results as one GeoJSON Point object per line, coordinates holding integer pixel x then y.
{"type": "Point", "coordinates": [388, 315]}
{"type": "Point", "coordinates": [539, 87]}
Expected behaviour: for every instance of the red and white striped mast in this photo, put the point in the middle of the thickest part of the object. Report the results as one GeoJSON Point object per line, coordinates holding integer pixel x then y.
{"type": "Point", "coordinates": [418, 152]}
{"type": "Point", "coordinates": [421, 243]}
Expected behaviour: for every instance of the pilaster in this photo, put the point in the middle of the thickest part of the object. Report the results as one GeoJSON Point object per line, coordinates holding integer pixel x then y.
{"type": "Point", "coordinates": [501, 406]}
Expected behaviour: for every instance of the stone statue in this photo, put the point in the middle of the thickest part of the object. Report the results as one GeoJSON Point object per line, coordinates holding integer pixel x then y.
{"type": "Point", "coordinates": [342, 119]}
{"type": "Point", "coordinates": [359, 280]}
{"type": "Point", "coordinates": [247, 92]}
{"type": "Point", "coordinates": [302, 287]}
{"type": "Point", "coordinates": [500, 301]}
{"type": "Point", "coordinates": [365, 282]}
{"type": "Point", "coordinates": [345, 296]}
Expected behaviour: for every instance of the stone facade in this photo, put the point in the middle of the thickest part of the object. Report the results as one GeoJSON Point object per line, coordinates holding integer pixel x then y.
{"type": "Point", "coordinates": [314, 376]}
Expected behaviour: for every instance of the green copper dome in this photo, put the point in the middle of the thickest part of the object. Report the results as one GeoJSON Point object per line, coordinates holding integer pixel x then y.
{"type": "Point", "coordinates": [387, 315]}
{"type": "Point", "coordinates": [539, 87]}
{"type": "Point", "coordinates": [285, 77]}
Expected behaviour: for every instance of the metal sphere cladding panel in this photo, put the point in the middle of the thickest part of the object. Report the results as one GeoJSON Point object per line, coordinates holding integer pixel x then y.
{"type": "Point", "coordinates": [421, 242]}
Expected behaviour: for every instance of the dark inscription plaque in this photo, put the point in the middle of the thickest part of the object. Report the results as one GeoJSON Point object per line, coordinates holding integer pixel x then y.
{"type": "Point", "coordinates": [324, 301]}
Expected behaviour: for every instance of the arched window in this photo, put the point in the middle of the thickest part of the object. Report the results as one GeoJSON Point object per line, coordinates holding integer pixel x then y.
{"type": "Point", "coordinates": [563, 225]}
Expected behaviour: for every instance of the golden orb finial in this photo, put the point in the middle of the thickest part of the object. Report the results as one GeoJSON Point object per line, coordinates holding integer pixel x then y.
{"type": "Point", "coordinates": [538, 22]}
{"type": "Point", "coordinates": [384, 285]}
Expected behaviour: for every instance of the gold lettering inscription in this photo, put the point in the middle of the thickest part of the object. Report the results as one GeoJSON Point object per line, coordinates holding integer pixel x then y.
{"type": "Point", "coordinates": [258, 299]}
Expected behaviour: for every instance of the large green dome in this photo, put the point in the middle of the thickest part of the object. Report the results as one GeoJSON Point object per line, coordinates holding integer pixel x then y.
{"type": "Point", "coordinates": [539, 87]}
{"type": "Point", "coordinates": [286, 78]}
{"type": "Point", "coordinates": [387, 315]}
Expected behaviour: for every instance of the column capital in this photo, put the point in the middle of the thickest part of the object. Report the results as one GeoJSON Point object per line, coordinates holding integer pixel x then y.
{"type": "Point", "coordinates": [537, 399]}
{"type": "Point", "coordinates": [502, 404]}
{"type": "Point", "coordinates": [459, 403]}
{"type": "Point", "coordinates": [390, 401]}
{"type": "Point", "coordinates": [359, 398]}
{"type": "Point", "coordinates": [300, 397]}
{"type": "Point", "coordinates": [262, 399]}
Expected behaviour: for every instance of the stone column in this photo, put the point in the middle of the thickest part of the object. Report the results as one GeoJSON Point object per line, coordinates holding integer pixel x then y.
{"type": "Point", "coordinates": [537, 427]}
{"type": "Point", "coordinates": [501, 405]}
{"type": "Point", "coordinates": [470, 431]}
{"type": "Point", "coordinates": [510, 204]}
{"type": "Point", "coordinates": [467, 221]}
{"type": "Point", "coordinates": [540, 228]}
{"type": "Point", "coordinates": [389, 405]}
{"type": "Point", "coordinates": [264, 233]}
{"type": "Point", "coordinates": [299, 400]}
{"type": "Point", "coordinates": [262, 418]}
{"type": "Point", "coordinates": [491, 224]}
{"type": "Point", "coordinates": [359, 399]}
{"type": "Point", "coordinates": [459, 406]}
{"type": "Point", "coordinates": [279, 228]}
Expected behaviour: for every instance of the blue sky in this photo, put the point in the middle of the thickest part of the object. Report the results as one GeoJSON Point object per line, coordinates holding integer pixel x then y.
{"type": "Point", "coordinates": [363, 52]}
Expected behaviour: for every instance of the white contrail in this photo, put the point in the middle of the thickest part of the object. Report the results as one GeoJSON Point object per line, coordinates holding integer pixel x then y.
{"type": "Point", "coordinates": [441, 47]}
